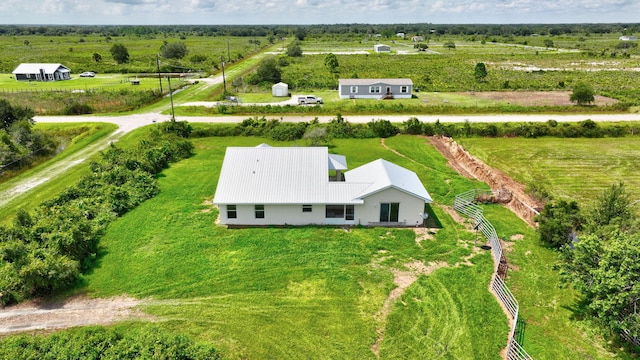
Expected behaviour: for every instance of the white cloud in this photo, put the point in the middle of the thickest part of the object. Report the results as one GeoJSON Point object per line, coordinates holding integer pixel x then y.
{"type": "Point", "coordinates": [315, 11]}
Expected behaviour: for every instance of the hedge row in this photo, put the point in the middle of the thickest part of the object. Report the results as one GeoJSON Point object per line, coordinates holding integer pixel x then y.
{"type": "Point", "coordinates": [47, 250]}
{"type": "Point", "coordinates": [339, 127]}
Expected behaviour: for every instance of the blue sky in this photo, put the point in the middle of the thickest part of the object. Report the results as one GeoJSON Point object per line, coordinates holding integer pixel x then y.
{"type": "Point", "coordinates": [213, 12]}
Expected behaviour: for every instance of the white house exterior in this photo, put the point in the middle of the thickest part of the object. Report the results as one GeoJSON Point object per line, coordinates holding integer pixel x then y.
{"type": "Point", "coordinates": [260, 186]}
{"type": "Point", "coordinates": [628, 38]}
{"type": "Point", "coordinates": [375, 88]}
{"type": "Point", "coordinates": [280, 89]}
{"type": "Point", "coordinates": [380, 48]}
{"type": "Point", "coordinates": [42, 72]}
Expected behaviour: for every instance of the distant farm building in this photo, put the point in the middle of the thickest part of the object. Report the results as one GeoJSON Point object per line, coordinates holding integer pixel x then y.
{"type": "Point", "coordinates": [42, 72]}
{"type": "Point", "coordinates": [417, 38]}
{"type": "Point", "coordinates": [400, 35]}
{"type": "Point", "coordinates": [628, 38]}
{"type": "Point", "coordinates": [380, 48]}
{"type": "Point", "coordinates": [375, 88]}
{"type": "Point", "coordinates": [280, 89]}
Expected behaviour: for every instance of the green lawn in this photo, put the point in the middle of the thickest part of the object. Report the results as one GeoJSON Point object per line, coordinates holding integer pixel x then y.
{"type": "Point", "coordinates": [301, 292]}
{"type": "Point", "coordinates": [577, 169]}
{"type": "Point", "coordinates": [314, 292]}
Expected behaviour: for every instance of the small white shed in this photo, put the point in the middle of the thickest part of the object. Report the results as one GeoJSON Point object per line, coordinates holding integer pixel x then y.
{"type": "Point", "coordinates": [280, 89]}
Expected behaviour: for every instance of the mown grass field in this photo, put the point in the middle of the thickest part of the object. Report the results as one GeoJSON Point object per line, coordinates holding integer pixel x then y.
{"type": "Point", "coordinates": [578, 169]}
{"type": "Point", "coordinates": [314, 292]}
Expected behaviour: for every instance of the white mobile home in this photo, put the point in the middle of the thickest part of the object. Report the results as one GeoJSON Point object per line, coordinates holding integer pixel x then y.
{"type": "Point", "coordinates": [375, 88]}
{"type": "Point", "coordinates": [264, 185]}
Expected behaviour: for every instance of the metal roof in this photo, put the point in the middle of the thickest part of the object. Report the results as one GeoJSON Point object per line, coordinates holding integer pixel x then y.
{"type": "Point", "coordinates": [300, 175]}
{"type": "Point", "coordinates": [27, 68]}
{"type": "Point", "coordinates": [349, 82]}
{"type": "Point", "coordinates": [382, 174]}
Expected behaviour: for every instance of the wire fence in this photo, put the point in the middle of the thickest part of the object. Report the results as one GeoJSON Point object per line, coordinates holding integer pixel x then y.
{"type": "Point", "coordinates": [465, 204]}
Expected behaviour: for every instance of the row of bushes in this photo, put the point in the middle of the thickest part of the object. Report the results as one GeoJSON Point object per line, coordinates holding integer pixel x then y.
{"type": "Point", "coordinates": [339, 127]}
{"type": "Point", "coordinates": [275, 129]}
{"type": "Point", "coordinates": [47, 250]}
{"type": "Point", "coordinates": [106, 343]}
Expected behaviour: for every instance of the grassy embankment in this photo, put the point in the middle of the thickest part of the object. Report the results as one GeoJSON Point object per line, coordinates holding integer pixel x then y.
{"type": "Point", "coordinates": [87, 135]}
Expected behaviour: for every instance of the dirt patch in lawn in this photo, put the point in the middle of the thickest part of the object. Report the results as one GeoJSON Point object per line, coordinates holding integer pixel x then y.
{"type": "Point", "coordinates": [536, 98]}
{"type": "Point", "coordinates": [75, 311]}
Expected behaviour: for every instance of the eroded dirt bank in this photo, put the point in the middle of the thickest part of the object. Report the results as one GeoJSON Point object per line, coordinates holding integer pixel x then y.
{"type": "Point", "coordinates": [508, 191]}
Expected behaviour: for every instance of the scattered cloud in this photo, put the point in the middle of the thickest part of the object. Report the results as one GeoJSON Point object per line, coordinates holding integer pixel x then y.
{"type": "Point", "coordinates": [315, 11]}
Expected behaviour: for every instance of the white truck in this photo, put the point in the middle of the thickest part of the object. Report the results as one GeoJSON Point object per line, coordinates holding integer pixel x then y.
{"type": "Point", "coordinates": [309, 99]}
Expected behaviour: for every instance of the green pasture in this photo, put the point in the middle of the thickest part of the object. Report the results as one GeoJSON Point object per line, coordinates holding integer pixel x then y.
{"type": "Point", "coordinates": [9, 84]}
{"type": "Point", "coordinates": [76, 52]}
{"type": "Point", "coordinates": [571, 169]}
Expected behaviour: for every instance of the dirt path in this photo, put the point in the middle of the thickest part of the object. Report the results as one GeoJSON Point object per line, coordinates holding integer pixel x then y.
{"type": "Point", "coordinates": [75, 311]}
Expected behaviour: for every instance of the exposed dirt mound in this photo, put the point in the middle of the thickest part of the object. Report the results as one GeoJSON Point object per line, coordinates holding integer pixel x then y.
{"type": "Point", "coordinates": [505, 190]}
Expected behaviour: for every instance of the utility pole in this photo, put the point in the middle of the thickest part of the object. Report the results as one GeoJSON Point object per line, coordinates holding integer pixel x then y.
{"type": "Point", "coordinates": [173, 117]}
{"type": "Point", "coordinates": [159, 76]}
{"type": "Point", "coordinates": [224, 81]}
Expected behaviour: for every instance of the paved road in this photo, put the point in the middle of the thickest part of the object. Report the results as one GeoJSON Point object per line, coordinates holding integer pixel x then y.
{"type": "Point", "coordinates": [131, 122]}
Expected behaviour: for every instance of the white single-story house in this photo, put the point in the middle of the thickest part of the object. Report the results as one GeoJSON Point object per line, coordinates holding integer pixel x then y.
{"type": "Point", "coordinates": [628, 38]}
{"type": "Point", "coordinates": [380, 48]}
{"type": "Point", "coordinates": [401, 35]}
{"type": "Point", "coordinates": [42, 72]}
{"type": "Point", "coordinates": [280, 89]}
{"type": "Point", "coordinates": [375, 88]}
{"type": "Point", "coordinates": [417, 38]}
{"type": "Point", "coordinates": [263, 185]}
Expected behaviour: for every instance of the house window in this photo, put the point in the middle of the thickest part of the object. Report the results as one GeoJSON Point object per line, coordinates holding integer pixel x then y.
{"type": "Point", "coordinates": [354, 90]}
{"type": "Point", "coordinates": [307, 208]}
{"type": "Point", "coordinates": [404, 89]}
{"type": "Point", "coordinates": [389, 212]}
{"type": "Point", "coordinates": [349, 212]}
{"type": "Point", "coordinates": [346, 212]}
{"type": "Point", "coordinates": [334, 212]}
{"type": "Point", "coordinates": [232, 213]}
{"type": "Point", "coordinates": [374, 89]}
{"type": "Point", "coordinates": [259, 211]}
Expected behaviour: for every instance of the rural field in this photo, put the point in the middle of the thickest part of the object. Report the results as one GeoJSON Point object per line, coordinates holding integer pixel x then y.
{"type": "Point", "coordinates": [320, 292]}
{"type": "Point", "coordinates": [569, 169]}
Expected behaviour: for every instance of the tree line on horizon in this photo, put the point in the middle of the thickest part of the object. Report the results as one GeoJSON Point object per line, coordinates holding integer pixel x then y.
{"type": "Point", "coordinates": [386, 30]}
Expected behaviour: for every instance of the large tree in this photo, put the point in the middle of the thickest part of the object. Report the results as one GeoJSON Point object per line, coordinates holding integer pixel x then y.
{"type": "Point", "coordinates": [582, 94]}
{"type": "Point", "coordinates": [331, 61]}
{"type": "Point", "coordinates": [174, 50]}
{"type": "Point", "coordinates": [120, 53]}
{"type": "Point", "coordinates": [294, 50]}
{"type": "Point", "coordinates": [268, 70]}
{"type": "Point", "coordinates": [559, 222]}
{"type": "Point", "coordinates": [480, 72]}
{"type": "Point", "coordinates": [607, 271]}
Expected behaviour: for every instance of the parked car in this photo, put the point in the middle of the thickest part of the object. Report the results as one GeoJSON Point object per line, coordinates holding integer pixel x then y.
{"type": "Point", "coordinates": [88, 74]}
{"type": "Point", "coordinates": [309, 99]}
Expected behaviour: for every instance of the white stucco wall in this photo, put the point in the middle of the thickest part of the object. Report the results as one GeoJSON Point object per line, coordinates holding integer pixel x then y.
{"type": "Point", "coordinates": [410, 209]}
{"type": "Point", "coordinates": [274, 215]}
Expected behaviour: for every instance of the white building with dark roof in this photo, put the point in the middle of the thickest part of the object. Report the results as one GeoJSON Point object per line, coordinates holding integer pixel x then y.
{"type": "Point", "coordinates": [261, 186]}
{"type": "Point", "coordinates": [42, 72]}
